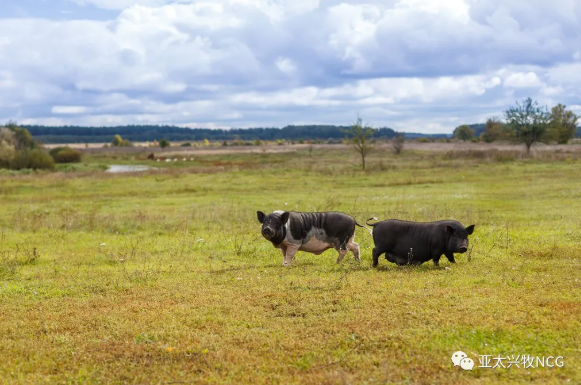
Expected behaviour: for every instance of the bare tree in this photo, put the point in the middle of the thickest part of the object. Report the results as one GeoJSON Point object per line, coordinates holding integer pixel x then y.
{"type": "Point", "coordinates": [397, 143]}
{"type": "Point", "coordinates": [360, 137]}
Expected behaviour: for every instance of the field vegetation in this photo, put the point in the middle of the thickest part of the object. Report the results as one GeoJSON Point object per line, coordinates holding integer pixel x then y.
{"type": "Point", "coordinates": [163, 276]}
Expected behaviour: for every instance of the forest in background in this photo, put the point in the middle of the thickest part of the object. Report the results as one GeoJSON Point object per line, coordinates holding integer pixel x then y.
{"type": "Point", "coordinates": [145, 133]}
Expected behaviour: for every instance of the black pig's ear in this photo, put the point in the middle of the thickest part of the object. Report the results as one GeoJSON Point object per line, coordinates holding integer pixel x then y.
{"type": "Point", "coordinates": [284, 217]}
{"type": "Point", "coordinates": [450, 229]}
{"type": "Point", "coordinates": [470, 229]}
{"type": "Point", "coordinates": [260, 216]}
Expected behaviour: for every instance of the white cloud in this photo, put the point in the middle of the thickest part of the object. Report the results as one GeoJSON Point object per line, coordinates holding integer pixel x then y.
{"type": "Point", "coordinates": [273, 62]}
{"type": "Point", "coordinates": [72, 110]}
{"type": "Point", "coordinates": [286, 65]}
{"type": "Point", "coordinates": [121, 4]}
{"type": "Point", "coordinates": [523, 80]}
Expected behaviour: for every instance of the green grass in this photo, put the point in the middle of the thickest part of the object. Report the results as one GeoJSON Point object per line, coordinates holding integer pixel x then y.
{"type": "Point", "coordinates": [163, 276]}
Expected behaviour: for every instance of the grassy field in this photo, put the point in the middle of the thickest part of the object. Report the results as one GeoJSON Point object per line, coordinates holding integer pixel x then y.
{"type": "Point", "coordinates": [163, 277]}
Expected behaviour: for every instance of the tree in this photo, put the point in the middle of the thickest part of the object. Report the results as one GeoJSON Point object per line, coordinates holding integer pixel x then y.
{"type": "Point", "coordinates": [8, 136]}
{"type": "Point", "coordinates": [23, 138]}
{"type": "Point", "coordinates": [360, 137]}
{"type": "Point", "coordinates": [7, 153]}
{"type": "Point", "coordinates": [493, 130]}
{"type": "Point", "coordinates": [563, 124]}
{"type": "Point", "coordinates": [527, 123]}
{"type": "Point", "coordinates": [117, 140]}
{"type": "Point", "coordinates": [397, 143]}
{"type": "Point", "coordinates": [163, 143]}
{"type": "Point", "coordinates": [463, 133]}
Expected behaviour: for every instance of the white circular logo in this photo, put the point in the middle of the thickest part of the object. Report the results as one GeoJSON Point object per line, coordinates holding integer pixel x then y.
{"type": "Point", "coordinates": [457, 357]}
{"type": "Point", "coordinates": [467, 363]}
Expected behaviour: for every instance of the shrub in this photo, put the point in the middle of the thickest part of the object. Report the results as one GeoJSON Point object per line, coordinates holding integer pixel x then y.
{"type": "Point", "coordinates": [56, 150]}
{"type": "Point", "coordinates": [118, 141]}
{"type": "Point", "coordinates": [67, 155]}
{"type": "Point", "coordinates": [423, 140]}
{"type": "Point", "coordinates": [188, 144]}
{"type": "Point", "coordinates": [397, 143]}
{"type": "Point", "coordinates": [34, 159]}
{"type": "Point", "coordinates": [163, 143]}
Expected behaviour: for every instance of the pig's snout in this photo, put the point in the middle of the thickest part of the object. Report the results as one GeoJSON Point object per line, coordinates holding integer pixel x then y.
{"type": "Point", "coordinates": [267, 232]}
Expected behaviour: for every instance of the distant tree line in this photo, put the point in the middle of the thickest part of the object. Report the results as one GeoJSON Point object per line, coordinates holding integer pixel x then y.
{"type": "Point", "coordinates": [79, 134]}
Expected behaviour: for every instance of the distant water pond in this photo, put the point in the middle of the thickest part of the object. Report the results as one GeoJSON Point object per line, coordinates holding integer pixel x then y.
{"type": "Point", "coordinates": [115, 168]}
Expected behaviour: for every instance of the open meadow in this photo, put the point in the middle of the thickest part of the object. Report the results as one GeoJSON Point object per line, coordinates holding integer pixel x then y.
{"type": "Point", "coordinates": [163, 276]}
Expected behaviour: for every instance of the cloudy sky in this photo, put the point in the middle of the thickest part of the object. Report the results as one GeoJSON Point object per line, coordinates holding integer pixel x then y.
{"type": "Point", "coordinates": [413, 65]}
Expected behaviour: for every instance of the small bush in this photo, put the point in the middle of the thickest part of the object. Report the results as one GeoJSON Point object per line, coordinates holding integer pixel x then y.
{"type": "Point", "coordinates": [188, 144]}
{"type": "Point", "coordinates": [118, 141]}
{"type": "Point", "coordinates": [34, 159]}
{"type": "Point", "coordinates": [423, 140]}
{"type": "Point", "coordinates": [56, 150]}
{"type": "Point", "coordinates": [67, 155]}
{"type": "Point", "coordinates": [397, 143]}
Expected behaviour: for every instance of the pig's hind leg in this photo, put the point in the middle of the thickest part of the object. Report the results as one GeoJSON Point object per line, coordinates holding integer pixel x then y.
{"type": "Point", "coordinates": [354, 248]}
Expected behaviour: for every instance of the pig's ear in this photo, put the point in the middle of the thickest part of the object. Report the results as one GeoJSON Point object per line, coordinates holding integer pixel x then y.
{"type": "Point", "coordinates": [450, 229]}
{"type": "Point", "coordinates": [470, 229]}
{"type": "Point", "coordinates": [284, 217]}
{"type": "Point", "coordinates": [260, 216]}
